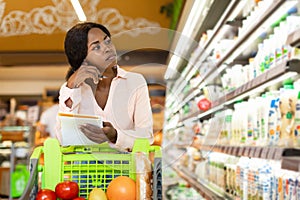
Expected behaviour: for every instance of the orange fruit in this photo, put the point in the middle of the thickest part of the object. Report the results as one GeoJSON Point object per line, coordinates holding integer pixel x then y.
{"type": "Point", "coordinates": [121, 188]}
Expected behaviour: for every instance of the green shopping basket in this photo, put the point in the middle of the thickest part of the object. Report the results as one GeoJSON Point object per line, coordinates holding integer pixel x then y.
{"type": "Point", "coordinates": [90, 166]}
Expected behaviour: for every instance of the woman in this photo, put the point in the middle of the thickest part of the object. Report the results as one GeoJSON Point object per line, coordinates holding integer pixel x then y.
{"type": "Point", "coordinates": [96, 85]}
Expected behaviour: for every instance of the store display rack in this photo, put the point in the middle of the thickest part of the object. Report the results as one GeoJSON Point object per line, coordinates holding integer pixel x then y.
{"type": "Point", "coordinates": [206, 189]}
{"type": "Point", "coordinates": [18, 138]}
{"type": "Point", "coordinates": [199, 55]}
{"type": "Point", "coordinates": [289, 69]}
{"type": "Point", "coordinates": [285, 155]}
{"type": "Point", "coordinates": [290, 159]}
{"type": "Point", "coordinates": [239, 46]}
{"type": "Point", "coordinates": [261, 83]}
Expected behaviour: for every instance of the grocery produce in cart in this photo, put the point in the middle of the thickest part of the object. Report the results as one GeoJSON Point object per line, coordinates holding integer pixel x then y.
{"type": "Point", "coordinates": [96, 168]}
{"type": "Point", "coordinates": [121, 187]}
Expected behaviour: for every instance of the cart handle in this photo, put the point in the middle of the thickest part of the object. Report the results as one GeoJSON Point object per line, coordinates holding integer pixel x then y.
{"type": "Point", "coordinates": [156, 150]}
{"type": "Point", "coordinates": [32, 185]}
{"type": "Point", "coordinates": [37, 153]}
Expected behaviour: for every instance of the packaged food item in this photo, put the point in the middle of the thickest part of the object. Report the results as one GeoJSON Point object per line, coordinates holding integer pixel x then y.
{"type": "Point", "coordinates": [297, 123]}
{"type": "Point", "coordinates": [274, 123]}
{"type": "Point", "coordinates": [143, 176]}
{"type": "Point", "coordinates": [287, 105]}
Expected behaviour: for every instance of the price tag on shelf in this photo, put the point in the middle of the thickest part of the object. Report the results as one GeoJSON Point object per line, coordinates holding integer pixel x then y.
{"type": "Point", "coordinates": [247, 151]}
{"type": "Point", "coordinates": [271, 153]}
{"type": "Point", "coordinates": [252, 152]}
{"type": "Point", "coordinates": [249, 84]}
{"type": "Point", "coordinates": [225, 150]}
{"type": "Point", "coordinates": [230, 150]}
{"type": "Point", "coordinates": [244, 88]}
{"type": "Point", "coordinates": [264, 153]}
{"type": "Point", "coordinates": [278, 154]}
{"type": "Point", "coordinates": [241, 151]}
{"type": "Point", "coordinates": [235, 151]}
{"type": "Point", "coordinates": [230, 95]}
{"type": "Point", "coordinates": [257, 153]}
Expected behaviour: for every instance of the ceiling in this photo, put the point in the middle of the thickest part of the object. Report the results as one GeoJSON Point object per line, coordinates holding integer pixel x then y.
{"type": "Point", "coordinates": [32, 34]}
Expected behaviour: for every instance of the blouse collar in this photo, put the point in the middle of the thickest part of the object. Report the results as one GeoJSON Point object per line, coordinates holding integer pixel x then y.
{"type": "Point", "coordinates": [121, 73]}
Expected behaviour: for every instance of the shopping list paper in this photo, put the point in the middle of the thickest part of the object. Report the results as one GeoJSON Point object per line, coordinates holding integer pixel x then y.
{"type": "Point", "coordinates": [71, 134]}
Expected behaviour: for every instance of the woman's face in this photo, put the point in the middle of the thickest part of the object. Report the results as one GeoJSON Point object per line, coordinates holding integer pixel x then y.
{"type": "Point", "coordinates": [101, 51]}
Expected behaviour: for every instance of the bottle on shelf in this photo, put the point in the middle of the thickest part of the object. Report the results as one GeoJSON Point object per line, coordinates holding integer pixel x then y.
{"type": "Point", "coordinates": [287, 104]}
{"type": "Point", "coordinates": [297, 123]}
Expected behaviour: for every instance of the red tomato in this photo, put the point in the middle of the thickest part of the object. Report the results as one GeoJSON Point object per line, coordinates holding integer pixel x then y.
{"type": "Point", "coordinates": [79, 198]}
{"type": "Point", "coordinates": [67, 190]}
{"type": "Point", "coordinates": [46, 194]}
{"type": "Point", "coordinates": [204, 104]}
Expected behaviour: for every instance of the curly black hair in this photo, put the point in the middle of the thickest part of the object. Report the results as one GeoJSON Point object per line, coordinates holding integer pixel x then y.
{"type": "Point", "coordinates": [76, 44]}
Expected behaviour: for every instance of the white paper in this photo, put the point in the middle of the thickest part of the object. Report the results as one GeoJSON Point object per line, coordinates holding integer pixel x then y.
{"type": "Point", "coordinates": [71, 134]}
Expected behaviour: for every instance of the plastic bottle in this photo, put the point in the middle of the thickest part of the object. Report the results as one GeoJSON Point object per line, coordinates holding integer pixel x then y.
{"type": "Point", "coordinates": [266, 57]}
{"type": "Point", "coordinates": [263, 120]}
{"type": "Point", "coordinates": [227, 126]}
{"type": "Point", "coordinates": [244, 140]}
{"type": "Point", "coordinates": [297, 122]}
{"type": "Point", "coordinates": [274, 123]}
{"type": "Point", "coordinates": [279, 184]}
{"type": "Point", "coordinates": [258, 179]}
{"type": "Point", "coordinates": [276, 169]}
{"type": "Point", "coordinates": [252, 175]}
{"type": "Point", "coordinates": [236, 124]}
{"type": "Point", "coordinates": [287, 102]}
{"type": "Point", "coordinates": [292, 185]}
{"type": "Point", "coordinates": [298, 187]}
{"type": "Point", "coordinates": [272, 44]}
{"type": "Point", "coordinates": [254, 118]}
{"type": "Point", "coordinates": [258, 60]}
{"type": "Point", "coordinates": [278, 45]}
{"type": "Point", "coordinates": [265, 180]}
{"type": "Point", "coordinates": [241, 177]}
{"type": "Point", "coordinates": [250, 106]}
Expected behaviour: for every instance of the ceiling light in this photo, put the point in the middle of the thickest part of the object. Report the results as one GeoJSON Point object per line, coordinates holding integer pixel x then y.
{"type": "Point", "coordinates": [188, 33]}
{"type": "Point", "coordinates": [78, 9]}
{"type": "Point", "coordinates": [171, 71]}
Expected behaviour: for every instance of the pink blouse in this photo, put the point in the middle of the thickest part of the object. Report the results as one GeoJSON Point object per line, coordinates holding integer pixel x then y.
{"type": "Point", "coordinates": [127, 109]}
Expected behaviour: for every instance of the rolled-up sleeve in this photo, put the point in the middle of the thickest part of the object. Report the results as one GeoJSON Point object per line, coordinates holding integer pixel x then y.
{"type": "Point", "coordinates": [68, 93]}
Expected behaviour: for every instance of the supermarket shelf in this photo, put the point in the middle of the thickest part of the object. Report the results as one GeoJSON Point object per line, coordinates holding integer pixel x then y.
{"type": "Point", "coordinates": [209, 191]}
{"type": "Point", "coordinates": [179, 125]}
{"type": "Point", "coordinates": [271, 153]}
{"type": "Point", "coordinates": [235, 48]}
{"type": "Point", "coordinates": [202, 114]}
{"type": "Point", "coordinates": [294, 38]}
{"type": "Point", "coordinates": [259, 83]}
{"type": "Point", "coordinates": [249, 46]}
{"type": "Point", "coordinates": [208, 45]}
{"type": "Point", "coordinates": [290, 157]}
{"type": "Point", "coordinates": [273, 78]}
{"type": "Point", "coordinates": [243, 38]}
{"type": "Point", "coordinates": [203, 187]}
{"type": "Point", "coordinates": [291, 163]}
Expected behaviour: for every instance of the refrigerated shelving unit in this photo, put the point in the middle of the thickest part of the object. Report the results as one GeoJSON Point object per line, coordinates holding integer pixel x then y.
{"type": "Point", "coordinates": [243, 48]}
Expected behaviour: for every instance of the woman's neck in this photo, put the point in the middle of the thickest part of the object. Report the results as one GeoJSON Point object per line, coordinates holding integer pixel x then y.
{"type": "Point", "coordinates": [111, 72]}
{"type": "Point", "coordinates": [108, 75]}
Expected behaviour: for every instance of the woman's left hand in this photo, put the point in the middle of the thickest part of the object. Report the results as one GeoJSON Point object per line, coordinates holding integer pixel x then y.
{"type": "Point", "coordinates": [100, 135]}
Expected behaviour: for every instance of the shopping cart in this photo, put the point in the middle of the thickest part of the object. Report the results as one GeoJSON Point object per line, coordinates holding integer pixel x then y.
{"type": "Point", "coordinates": [90, 166]}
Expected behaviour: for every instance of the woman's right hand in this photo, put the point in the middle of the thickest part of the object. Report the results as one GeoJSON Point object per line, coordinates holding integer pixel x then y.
{"type": "Point", "coordinates": [84, 72]}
